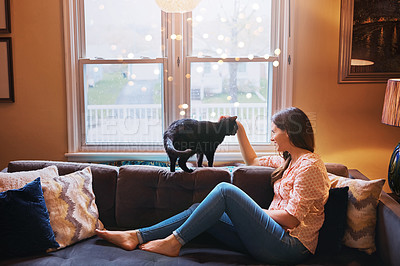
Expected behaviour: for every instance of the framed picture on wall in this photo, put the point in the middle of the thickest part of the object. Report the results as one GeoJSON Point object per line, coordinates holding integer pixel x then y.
{"type": "Point", "coordinates": [5, 21]}
{"type": "Point", "coordinates": [369, 49]}
{"type": "Point", "coordinates": [6, 71]}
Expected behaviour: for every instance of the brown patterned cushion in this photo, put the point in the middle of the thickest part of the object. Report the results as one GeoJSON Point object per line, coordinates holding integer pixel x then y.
{"type": "Point", "coordinates": [361, 212]}
{"type": "Point", "coordinates": [71, 204]}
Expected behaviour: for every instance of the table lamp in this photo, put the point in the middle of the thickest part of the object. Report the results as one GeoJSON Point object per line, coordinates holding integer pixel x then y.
{"type": "Point", "coordinates": [391, 116]}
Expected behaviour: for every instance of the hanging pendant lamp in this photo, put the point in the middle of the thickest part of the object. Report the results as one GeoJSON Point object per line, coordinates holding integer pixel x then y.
{"type": "Point", "coordinates": [177, 6]}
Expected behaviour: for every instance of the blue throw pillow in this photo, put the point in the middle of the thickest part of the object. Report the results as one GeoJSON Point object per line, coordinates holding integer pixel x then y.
{"type": "Point", "coordinates": [332, 231]}
{"type": "Point", "coordinates": [24, 221]}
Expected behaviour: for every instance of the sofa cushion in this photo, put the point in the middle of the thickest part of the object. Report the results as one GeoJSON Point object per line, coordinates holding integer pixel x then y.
{"type": "Point", "coordinates": [24, 221]}
{"type": "Point", "coordinates": [256, 182]}
{"type": "Point", "coordinates": [104, 182]}
{"type": "Point", "coordinates": [150, 194]}
{"type": "Point", "coordinates": [200, 251]}
{"type": "Point", "coordinates": [95, 251]}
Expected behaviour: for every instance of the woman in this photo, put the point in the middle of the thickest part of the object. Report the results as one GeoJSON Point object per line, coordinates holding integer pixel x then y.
{"type": "Point", "coordinates": [285, 233]}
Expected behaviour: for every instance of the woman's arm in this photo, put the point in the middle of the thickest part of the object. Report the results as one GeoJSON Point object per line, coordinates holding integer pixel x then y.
{"type": "Point", "coordinates": [282, 217]}
{"type": "Point", "coordinates": [248, 153]}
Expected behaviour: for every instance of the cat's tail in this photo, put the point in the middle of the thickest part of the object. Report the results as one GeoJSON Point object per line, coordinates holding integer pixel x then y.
{"type": "Point", "coordinates": [169, 145]}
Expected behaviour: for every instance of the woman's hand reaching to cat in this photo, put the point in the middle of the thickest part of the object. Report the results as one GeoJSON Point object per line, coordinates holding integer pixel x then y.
{"type": "Point", "coordinates": [248, 153]}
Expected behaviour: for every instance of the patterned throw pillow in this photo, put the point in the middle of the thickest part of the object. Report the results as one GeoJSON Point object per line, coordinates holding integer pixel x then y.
{"type": "Point", "coordinates": [361, 212]}
{"type": "Point", "coordinates": [19, 179]}
{"type": "Point", "coordinates": [72, 208]}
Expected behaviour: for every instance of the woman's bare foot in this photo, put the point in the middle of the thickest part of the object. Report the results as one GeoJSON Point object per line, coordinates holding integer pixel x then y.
{"type": "Point", "coordinates": [168, 246]}
{"type": "Point", "coordinates": [127, 240]}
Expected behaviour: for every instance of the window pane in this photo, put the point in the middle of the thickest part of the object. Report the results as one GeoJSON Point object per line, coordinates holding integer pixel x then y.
{"type": "Point", "coordinates": [232, 28]}
{"type": "Point", "coordinates": [123, 103]}
{"type": "Point", "coordinates": [120, 29]}
{"type": "Point", "coordinates": [233, 89]}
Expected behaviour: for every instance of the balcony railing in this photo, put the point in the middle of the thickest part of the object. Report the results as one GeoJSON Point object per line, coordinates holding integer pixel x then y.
{"type": "Point", "coordinates": [142, 123]}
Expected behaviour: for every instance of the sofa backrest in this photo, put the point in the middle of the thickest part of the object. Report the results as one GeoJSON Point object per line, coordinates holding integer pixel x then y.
{"type": "Point", "coordinates": [104, 182]}
{"type": "Point", "coordinates": [135, 196]}
{"type": "Point", "coordinates": [256, 182]}
{"type": "Point", "coordinates": [150, 194]}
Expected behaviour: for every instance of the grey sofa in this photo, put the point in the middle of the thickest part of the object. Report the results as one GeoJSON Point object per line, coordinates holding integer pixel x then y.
{"type": "Point", "coordinates": [134, 196]}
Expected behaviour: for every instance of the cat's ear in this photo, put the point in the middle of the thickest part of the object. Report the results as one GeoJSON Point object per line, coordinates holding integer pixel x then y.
{"type": "Point", "coordinates": [234, 117]}
{"type": "Point", "coordinates": [223, 117]}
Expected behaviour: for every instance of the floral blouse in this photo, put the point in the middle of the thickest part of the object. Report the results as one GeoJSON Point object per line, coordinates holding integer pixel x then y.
{"type": "Point", "coordinates": [302, 191]}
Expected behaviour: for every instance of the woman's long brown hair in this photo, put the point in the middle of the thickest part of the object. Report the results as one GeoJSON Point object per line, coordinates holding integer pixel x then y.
{"type": "Point", "coordinates": [299, 129]}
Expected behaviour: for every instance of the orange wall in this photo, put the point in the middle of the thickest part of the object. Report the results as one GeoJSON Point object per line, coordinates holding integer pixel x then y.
{"type": "Point", "coordinates": [346, 116]}
{"type": "Point", "coordinates": [34, 127]}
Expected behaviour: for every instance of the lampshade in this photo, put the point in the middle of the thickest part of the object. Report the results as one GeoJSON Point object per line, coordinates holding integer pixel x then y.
{"type": "Point", "coordinates": [391, 106]}
{"type": "Point", "coordinates": [177, 6]}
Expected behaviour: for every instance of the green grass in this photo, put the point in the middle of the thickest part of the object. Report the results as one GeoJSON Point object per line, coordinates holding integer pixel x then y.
{"type": "Point", "coordinates": [222, 97]}
{"type": "Point", "coordinates": [107, 90]}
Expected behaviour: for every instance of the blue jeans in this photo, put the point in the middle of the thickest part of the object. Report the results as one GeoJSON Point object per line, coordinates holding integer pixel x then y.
{"type": "Point", "coordinates": [232, 217]}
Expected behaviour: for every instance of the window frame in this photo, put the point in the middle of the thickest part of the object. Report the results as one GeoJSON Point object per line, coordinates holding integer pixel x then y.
{"type": "Point", "coordinates": [73, 12]}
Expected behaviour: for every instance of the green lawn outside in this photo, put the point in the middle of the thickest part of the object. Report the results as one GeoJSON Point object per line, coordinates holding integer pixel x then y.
{"type": "Point", "coordinates": [107, 90]}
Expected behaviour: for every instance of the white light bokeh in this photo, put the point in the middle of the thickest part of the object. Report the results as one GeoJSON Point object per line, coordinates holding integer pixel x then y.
{"type": "Point", "coordinates": [199, 69]}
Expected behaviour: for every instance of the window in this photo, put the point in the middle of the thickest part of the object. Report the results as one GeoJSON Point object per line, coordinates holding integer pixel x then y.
{"type": "Point", "coordinates": [132, 70]}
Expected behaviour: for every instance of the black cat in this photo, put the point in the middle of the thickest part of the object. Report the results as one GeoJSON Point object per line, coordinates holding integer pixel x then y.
{"type": "Point", "coordinates": [186, 137]}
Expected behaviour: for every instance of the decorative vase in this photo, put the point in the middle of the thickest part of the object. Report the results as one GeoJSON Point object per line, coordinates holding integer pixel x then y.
{"type": "Point", "coordinates": [394, 171]}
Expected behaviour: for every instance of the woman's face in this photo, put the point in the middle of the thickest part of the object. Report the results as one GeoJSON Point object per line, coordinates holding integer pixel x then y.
{"type": "Point", "coordinates": [281, 138]}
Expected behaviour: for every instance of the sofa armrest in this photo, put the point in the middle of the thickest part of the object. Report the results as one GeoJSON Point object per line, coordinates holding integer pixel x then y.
{"type": "Point", "coordinates": [387, 229]}
{"type": "Point", "coordinates": [387, 237]}
{"type": "Point", "coordinates": [337, 169]}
